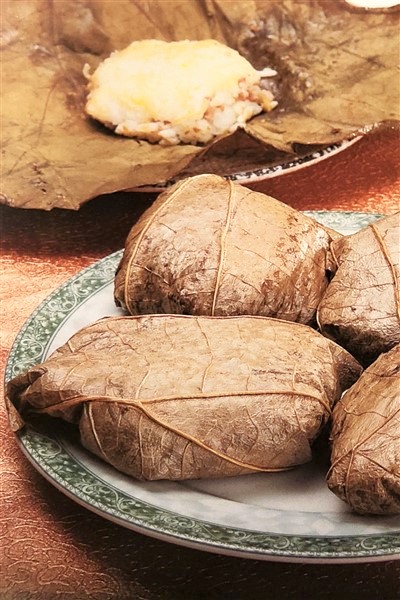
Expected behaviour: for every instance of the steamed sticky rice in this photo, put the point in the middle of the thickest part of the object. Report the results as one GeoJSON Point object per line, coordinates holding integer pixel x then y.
{"type": "Point", "coordinates": [174, 92]}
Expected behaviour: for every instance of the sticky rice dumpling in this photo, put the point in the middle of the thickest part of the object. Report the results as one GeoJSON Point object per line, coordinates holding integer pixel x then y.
{"type": "Point", "coordinates": [181, 397]}
{"type": "Point", "coordinates": [365, 469]}
{"type": "Point", "coordinates": [360, 309]}
{"type": "Point", "coordinates": [212, 247]}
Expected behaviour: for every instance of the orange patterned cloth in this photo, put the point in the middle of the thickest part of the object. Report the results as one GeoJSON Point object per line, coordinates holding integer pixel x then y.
{"type": "Point", "coordinates": [54, 548]}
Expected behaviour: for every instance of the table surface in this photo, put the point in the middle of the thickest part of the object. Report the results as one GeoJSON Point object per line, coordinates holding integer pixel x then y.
{"type": "Point", "coordinates": [54, 548]}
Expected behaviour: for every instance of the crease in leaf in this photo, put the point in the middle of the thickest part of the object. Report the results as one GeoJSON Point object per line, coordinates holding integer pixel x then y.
{"type": "Point", "coordinates": [390, 263]}
{"type": "Point", "coordinates": [224, 233]}
{"type": "Point", "coordinates": [82, 399]}
{"type": "Point", "coordinates": [141, 404]}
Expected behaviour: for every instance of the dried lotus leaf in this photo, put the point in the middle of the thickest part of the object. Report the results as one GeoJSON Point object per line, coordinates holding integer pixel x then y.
{"type": "Point", "coordinates": [56, 157]}
{"type": "Point", "coordinates": [361, 306]}
{"type": "Point", "coordinates": [209, 246]}
{"type": "Point", "coordinates": [365, 469]}
{"type": "Point", "coordinates": [180, 397]}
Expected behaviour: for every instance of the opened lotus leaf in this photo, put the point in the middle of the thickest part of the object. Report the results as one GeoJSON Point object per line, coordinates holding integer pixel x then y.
{"type": "Point", "coordinates": [337, 77]}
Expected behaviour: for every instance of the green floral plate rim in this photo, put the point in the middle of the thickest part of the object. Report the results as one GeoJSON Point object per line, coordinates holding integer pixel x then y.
{"type": "Point", "coordinates": [98, 489]}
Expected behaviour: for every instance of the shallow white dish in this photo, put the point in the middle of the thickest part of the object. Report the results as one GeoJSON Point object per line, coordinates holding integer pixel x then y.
{"type": "Point", "coordinates": [289, 516]}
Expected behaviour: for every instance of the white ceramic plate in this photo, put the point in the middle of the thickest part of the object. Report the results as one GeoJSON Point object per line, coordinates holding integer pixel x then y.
{"type": "Point", "coordinates": [267, 171]}
{"type": "Point", "coordinates": [288, 516]}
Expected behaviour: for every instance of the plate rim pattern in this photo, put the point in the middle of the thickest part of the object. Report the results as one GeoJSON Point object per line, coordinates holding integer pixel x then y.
{"type": "Point", "coordinates": [266, 172]}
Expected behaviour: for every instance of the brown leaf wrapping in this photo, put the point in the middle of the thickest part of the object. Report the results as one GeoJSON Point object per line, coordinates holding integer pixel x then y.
{"type": "Point", "coordinates": [365, 469]}
{"type": "Point", "coordinates": [179, 397]}
{"type": "Point", "coordinates": [56, 156]}
{"type": "Point", "coordinates": [212, 247]}
{"type": "Point", "coordinates": [361, 306]}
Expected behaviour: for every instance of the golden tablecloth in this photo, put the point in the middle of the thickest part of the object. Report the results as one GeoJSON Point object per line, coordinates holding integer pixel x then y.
{"type": "Point", "coordinates": [54, 548]}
